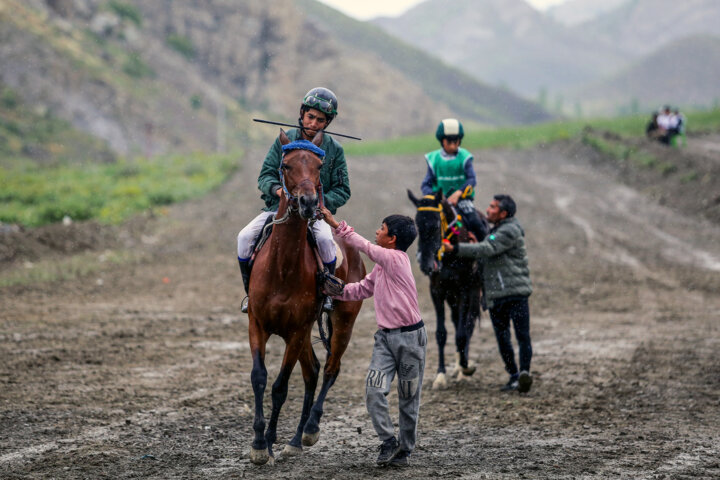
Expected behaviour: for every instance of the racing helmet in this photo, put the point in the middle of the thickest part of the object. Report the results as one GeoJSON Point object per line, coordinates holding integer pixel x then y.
{"type": "Point", "coordinates": [450, 127]}
{"type": "Point", "coordinates": [322, 99]}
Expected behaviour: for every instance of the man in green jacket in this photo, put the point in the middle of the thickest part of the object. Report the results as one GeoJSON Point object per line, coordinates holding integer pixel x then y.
{"type": "Point", "coordinates": [507, 286]}
{"type": "Point", "coordinates": [317, 110]}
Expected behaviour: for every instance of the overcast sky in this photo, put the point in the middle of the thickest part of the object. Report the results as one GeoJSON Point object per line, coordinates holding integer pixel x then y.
{"type": "Point", "coordinates": [366, 9]}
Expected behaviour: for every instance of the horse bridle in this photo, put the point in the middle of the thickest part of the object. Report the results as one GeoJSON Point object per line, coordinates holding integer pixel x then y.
{"type": "Point", "coordinates": [445, 226]}
{"type": "Point", "coordinates": [293, 200]}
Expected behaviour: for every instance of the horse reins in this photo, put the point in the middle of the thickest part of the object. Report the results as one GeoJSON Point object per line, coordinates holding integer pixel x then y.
{"type": "Point", "coordinates": [445, 226]}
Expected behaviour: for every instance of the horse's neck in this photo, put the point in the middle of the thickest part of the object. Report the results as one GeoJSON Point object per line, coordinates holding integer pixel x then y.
{"type": "Point", "coordinates": [287, 243]}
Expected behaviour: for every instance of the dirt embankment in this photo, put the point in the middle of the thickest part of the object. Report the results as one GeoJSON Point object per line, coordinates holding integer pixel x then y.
{"type": "Point", "coordinates": [141, 369]}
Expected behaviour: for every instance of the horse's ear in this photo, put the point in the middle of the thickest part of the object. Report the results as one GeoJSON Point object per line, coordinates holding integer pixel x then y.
{"type": "Point", "coordinates": [318, 138]}
{"type": "Point", "coordinates": [283, 137]}
{"type": "Point", "coordinates": [439, 195]}
{"type": "Point", "coordinates": [412, 197]}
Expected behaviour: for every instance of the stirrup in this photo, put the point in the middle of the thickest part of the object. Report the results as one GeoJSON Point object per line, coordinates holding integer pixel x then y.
{"type": "Point", "coordinates": [328, 304]}
{"type": "Point", "coordinates": [244, 304]}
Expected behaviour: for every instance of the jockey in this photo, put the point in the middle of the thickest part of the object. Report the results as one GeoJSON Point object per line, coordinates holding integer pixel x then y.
{"type": "Point", "coordinates": [450, 168]}
{"type": "Point", "coordinates": [317, 110]}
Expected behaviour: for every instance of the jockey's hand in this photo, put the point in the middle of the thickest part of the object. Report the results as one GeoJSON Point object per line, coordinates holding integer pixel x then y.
{"type": "Point", "coordinates": [472, 237]}
{"type": "Point", "coordinates": [328, 217]}
{"type": "Point", "coordinates": [453, 199]}
{"type": "Point", "coordinates": [279, 192]}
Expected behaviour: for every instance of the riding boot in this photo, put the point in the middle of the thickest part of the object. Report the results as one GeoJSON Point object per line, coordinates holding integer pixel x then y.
{"type": "Point", "coordinates": [328, 301]}
{"type": "Point", "coordinates": [245, 272]}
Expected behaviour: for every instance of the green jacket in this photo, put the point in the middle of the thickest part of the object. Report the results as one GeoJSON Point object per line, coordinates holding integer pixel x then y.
{"type": "Point", "coordinates": [333, 174]}
{"type": "Point", "coordinates": [505, 261]}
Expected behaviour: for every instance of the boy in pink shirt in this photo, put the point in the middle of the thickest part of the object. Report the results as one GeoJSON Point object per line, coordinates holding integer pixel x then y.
{"type": "Point", "coordinates": [401, 339]}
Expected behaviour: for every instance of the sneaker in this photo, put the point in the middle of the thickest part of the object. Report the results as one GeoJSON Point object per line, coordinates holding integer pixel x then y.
{"type": "Point", "coordinates": [511, 385]}
{"type": "Point", "coordinates": [524, 382]}
{"type": "Point", "coordinates": [400, 459]}
{"type": "Point", "coordinates": [388, 449]}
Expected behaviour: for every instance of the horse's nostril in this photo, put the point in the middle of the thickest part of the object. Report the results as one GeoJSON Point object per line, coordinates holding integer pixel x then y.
{"type": "Point", "coordinates": [308, 200]}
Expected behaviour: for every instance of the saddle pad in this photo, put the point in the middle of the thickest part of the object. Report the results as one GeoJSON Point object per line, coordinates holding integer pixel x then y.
{"type": "Point", "coordinates": [338, 254]}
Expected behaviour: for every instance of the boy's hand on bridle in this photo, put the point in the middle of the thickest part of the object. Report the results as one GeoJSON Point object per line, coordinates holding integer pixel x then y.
{"type": "Point", "coordinates": [453, 199]}
{"type": "Point", "coordinates": [472, 237]}
{"type": "Point", "coordinates": [329, 219]}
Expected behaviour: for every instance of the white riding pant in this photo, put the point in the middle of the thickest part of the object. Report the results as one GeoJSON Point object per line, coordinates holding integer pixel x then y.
{"type": "Point", "coordinates": [248, 235]}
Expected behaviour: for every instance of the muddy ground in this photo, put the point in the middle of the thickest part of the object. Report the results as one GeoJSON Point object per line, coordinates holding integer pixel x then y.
{"type": "Point", "coordinates": [140, 367]}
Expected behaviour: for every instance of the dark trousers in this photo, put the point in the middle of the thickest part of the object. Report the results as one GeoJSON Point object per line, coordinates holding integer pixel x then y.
{"type": "Point", "coordinates": [513, 309]}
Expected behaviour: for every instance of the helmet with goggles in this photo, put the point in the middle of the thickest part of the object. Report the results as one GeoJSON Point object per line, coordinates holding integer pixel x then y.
{"type": "Point", "coordinates": [322, 99]}
{"type": "Point", "coordinates": [449, 128]}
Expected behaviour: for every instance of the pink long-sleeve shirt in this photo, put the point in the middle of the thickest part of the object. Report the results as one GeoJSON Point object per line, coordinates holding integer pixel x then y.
{"type": "Point", "coordinates": [391, 282]}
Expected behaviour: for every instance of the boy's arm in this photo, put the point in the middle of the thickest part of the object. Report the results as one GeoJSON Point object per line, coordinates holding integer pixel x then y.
{"type": "Point", "coordinates": [269, 178]}
{"type": "Point", "coordinates": [361, 290]}
{"type": "Point", "coordinates": [426, 187]}
{"type": "Point", "coordinates": [376, 253]}
{"type": "Point", "coordinates": [470, 178]}
{"type": "Point", "coordinates": [381, 256]}
{"type": "Point", "coordinates": [338, 192]}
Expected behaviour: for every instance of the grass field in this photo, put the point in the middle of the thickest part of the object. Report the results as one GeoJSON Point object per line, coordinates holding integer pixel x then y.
{"type": "Point", "coordinates": [109, 193]}
{"type": "Point", "coordinates": [528, 136]}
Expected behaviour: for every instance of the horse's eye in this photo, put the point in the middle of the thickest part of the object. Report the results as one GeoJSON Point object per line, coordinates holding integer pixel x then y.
{"type": "Point", "coordinates": [285, 166]}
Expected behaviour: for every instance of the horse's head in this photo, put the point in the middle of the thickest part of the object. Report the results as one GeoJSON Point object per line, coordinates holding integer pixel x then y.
{"type": "Point", "coordinates": [429, 225]}
{"type": "Point", "coordinates": [300, 172]}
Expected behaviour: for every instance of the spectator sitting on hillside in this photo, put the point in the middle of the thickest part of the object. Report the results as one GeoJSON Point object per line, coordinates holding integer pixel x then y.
{"type": "Point", "coordinates": [679, 122]}
{"type": "Point", "coordinates": [653, 129]}
{"type": "Point", "coordinates": [664, 121]}
{"type": "Point", "coordinates": [670, 124]}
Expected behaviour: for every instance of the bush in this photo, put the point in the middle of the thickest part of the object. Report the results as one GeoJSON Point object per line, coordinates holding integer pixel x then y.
{"type": "Point", "coordinates": [182, 45]}
{"type": "Point", "coordinates": [126, 11]}
{"type": "Point", "coordinates": [136, 67]}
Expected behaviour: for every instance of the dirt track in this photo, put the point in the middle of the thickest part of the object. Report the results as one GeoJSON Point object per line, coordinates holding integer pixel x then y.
{"type": "Point", "coordinates": [122, 375]}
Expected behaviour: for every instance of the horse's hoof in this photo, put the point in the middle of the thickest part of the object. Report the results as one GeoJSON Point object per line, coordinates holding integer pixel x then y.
{"type": "Point", "coordinates": [290, 451]}
{"type": "Point", "coordinates": [461, 377]}
{"type": "Point", "coordinates": [469, 370]}
{"type": "Point", "coordinates": [310, 439]}
{"type": "Point", "coordinates": [440, 382]}
{"type": "Point", "coordinates": [259, 457]}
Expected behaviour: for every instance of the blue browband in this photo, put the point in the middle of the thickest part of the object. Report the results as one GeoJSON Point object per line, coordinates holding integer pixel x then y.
{"type": "Point", "coordinates": [304, 145]}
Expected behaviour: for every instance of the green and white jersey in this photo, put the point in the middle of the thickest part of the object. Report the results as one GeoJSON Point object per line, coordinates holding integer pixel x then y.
{"type": "Point", "coordinates": [449, 171]}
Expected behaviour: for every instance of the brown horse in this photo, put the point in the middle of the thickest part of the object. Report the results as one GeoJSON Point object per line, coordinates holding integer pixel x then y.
{"type": "Point", "coordinates": [284, 301]}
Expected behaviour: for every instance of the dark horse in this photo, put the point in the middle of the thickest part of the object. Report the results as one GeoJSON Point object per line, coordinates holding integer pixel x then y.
{"type": "Point", "coordinates": [284, 301]}
{"type": "Point", "coordinates": [454, 280]}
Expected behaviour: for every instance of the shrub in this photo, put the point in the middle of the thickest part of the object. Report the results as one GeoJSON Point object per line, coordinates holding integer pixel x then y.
{"type": "Point", "coordinates": [126, 11]}
{"type": "Point", "coordinates": [182, 45]}
{"type": "Point", "coordinates": [136, 67]}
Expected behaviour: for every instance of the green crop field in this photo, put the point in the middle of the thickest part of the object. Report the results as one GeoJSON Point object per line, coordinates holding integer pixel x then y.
{"type": "Point", "coordinates": [109, 193]}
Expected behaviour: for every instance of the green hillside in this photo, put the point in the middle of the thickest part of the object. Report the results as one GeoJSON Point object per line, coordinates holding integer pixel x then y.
{"type": "Point", "coordinates": [684, 73]}
{"type": "Point", "coordinates": [39, 137]}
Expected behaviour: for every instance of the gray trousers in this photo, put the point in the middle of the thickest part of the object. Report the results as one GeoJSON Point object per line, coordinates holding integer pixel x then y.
{"type": "Point", "coordinates": [404, 353]}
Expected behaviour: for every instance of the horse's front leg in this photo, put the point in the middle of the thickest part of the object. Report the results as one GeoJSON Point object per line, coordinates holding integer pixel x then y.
{"type": "Point", "coordinates": [438, 299]}
{"type": "Point", "coordinates": [258, 377]}
{"type": "Point", "coordinates": [311, 371]}
{"type": "Point", "coordinates": [293, 349]}
{"type": "Point", "coordinates": [464, 324]}
{"type": "Point", "coordinates": [343, 319]}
